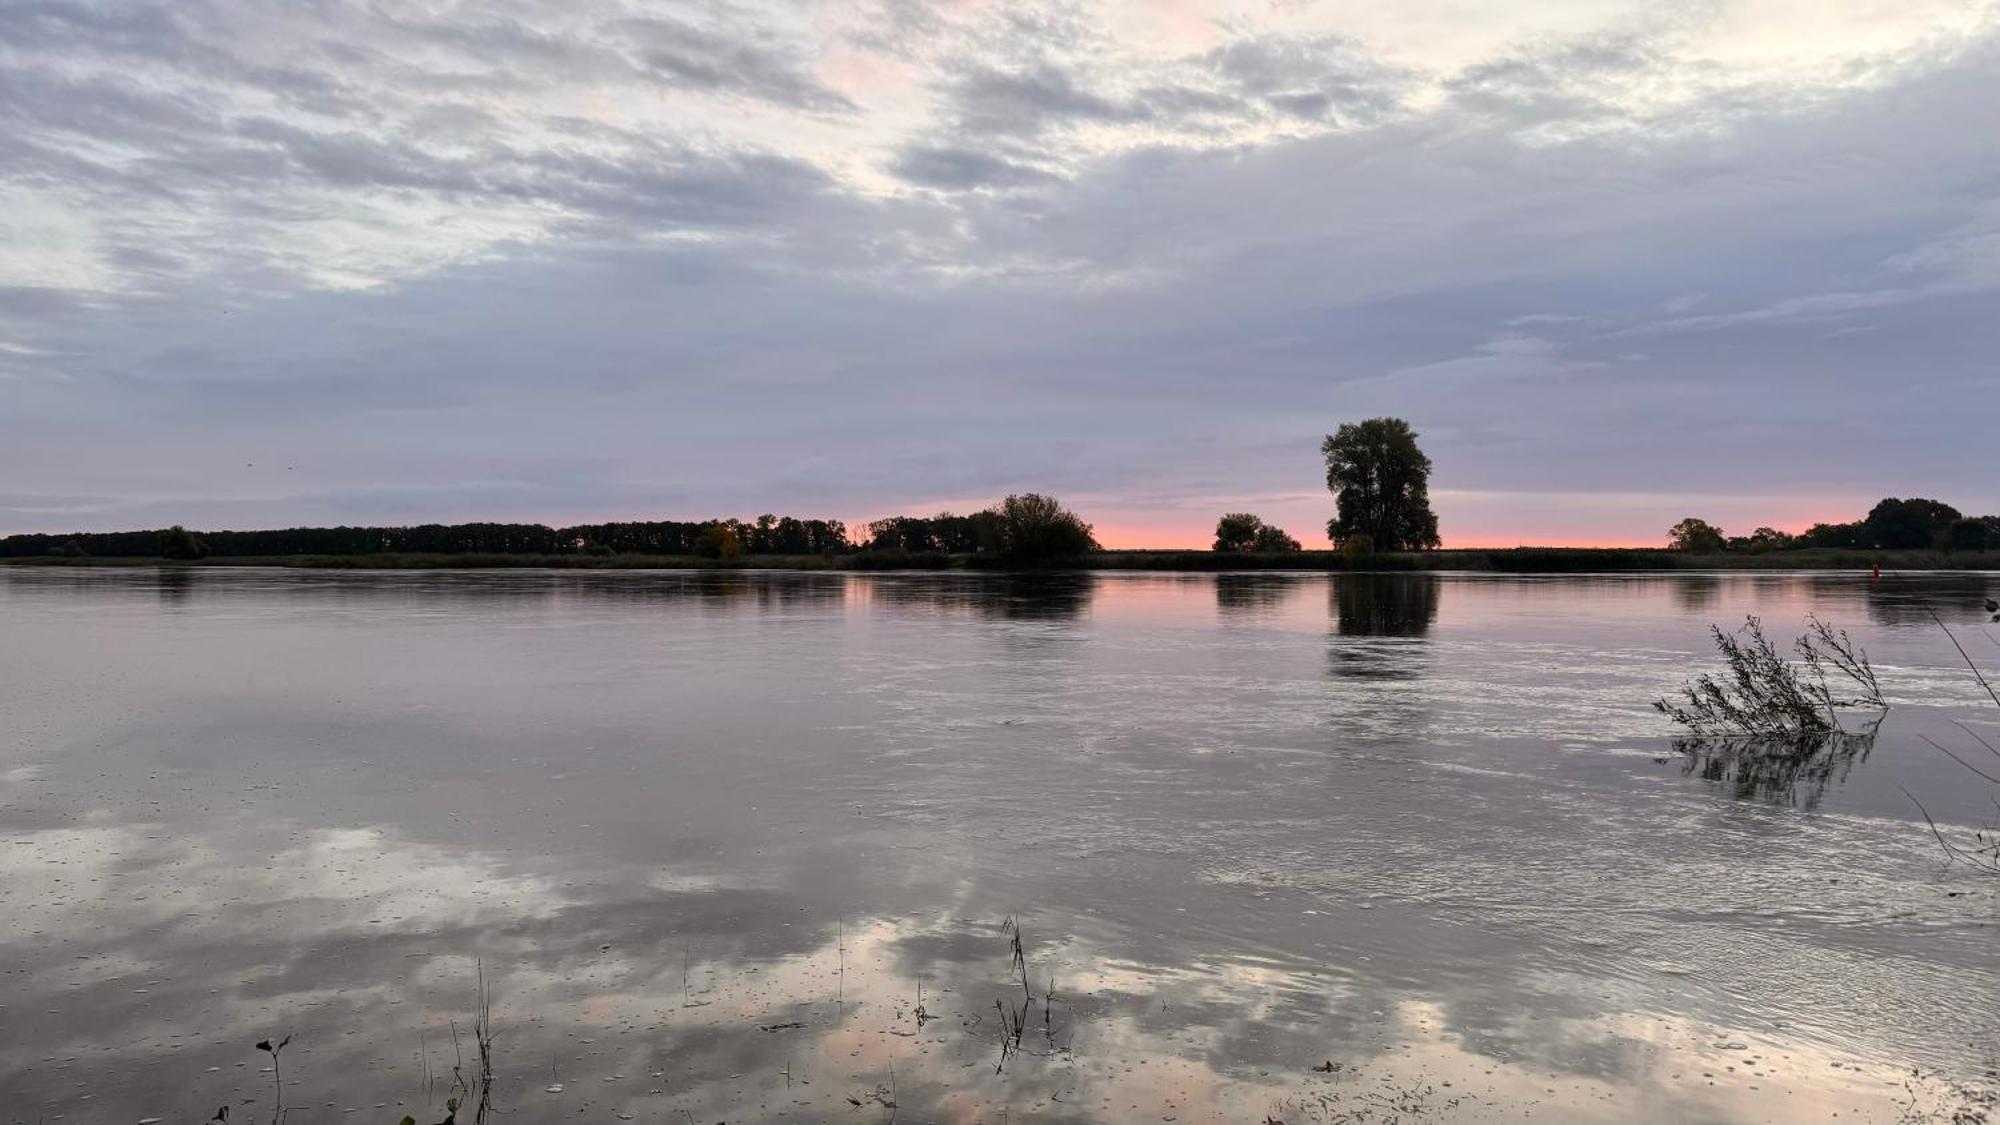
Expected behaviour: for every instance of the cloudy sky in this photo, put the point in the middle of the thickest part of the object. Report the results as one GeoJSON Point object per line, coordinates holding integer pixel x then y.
{"type": "Point", "coordinates": [270, 262]}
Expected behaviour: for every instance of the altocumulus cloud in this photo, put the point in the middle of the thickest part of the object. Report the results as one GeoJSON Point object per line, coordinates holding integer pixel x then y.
{"type": "Point", "coordinates": [273, 263]}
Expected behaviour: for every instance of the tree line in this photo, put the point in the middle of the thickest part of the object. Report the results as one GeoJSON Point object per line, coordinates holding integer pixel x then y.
{"type": "Point", "coordinates": [1893, 524]}
{"type": "Point", "coordinates": [1024, 528]}
{"type": "Point", "coordinates": [765, 535]}
{"type": "Point", "coordinates": [1379, 478]}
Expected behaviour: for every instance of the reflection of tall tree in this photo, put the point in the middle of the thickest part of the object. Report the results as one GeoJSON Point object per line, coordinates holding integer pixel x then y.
{"type": "Point", "coordinates": [1385, 605]}
{"type": "Point", "coordinates": [1376, 616]}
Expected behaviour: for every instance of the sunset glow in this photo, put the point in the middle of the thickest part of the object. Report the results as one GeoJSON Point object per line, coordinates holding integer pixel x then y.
{"type": "Point", "coordinates": [1616, 263]}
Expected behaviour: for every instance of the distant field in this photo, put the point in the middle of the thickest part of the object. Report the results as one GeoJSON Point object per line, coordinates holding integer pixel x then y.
{"type": "Point", "coordinates": [1523, 560]}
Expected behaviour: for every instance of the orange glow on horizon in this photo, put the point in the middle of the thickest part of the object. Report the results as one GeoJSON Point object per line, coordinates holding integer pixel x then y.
{"type": "Point", "coordinates": [1160, 537]}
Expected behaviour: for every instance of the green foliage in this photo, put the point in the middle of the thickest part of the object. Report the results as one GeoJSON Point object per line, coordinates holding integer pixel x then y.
{"type": "Point", "coordinates": [660, 538]}
{"type": "Point", "coordinates": [1767, 539]}
{"type": "Point", "coordinates": [1359, 545]}
{"type": "Point", "coordinates": [1696, 536]}
{"type": "Point", "coordinates": [1972, 534]}
{"type": "Point", "coordinates": [1030, 528]}
{"type": "Point", "coordinates": [1381, 484]}
{"type": "Point", "coordinates": [1840, 536]}
{"type": "Point", "coordinates": [1894, 523]}
{"type": "Point", "coordinates": [1241, 531]}
{"type": "Point", "coordinates": [944, 534]}
{"type": "Point", "coordinates": [1237, 531]}
{"type": "Point", "coordinates": [180, 544]}
{"type": "Point", "coordinates": [1025, 529]}
{"type": "Point", "coordinates": [720, 541]}
{"type": "Point", "coordinates": [1275, 541]}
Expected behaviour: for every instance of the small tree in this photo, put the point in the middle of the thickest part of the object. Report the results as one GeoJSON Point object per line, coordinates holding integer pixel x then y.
{"type": "Point", "coordinates": [182, 545]}
{"type": "Point", "coordinates": [1695, 536]}
{"type": "Point", "coordinates": [1273, 540]}
{"type": "Point", "coordinates": [1769, 539]}
{"type": "Point", "coordinates": [1237, 531]}
{"type": "Point", "coordinates": [1032, 528]}
{"type": "Point", "coordinates": [1381, 485]}
{"type": "Point", "coordinates": [1241, 531]}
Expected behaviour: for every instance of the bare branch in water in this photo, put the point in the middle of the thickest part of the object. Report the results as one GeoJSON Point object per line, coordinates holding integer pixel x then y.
{"type": "Point", "coordinates": [1763, 696]}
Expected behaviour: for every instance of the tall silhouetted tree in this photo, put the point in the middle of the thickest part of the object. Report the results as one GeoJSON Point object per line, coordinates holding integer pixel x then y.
{"type": "Point", "coordinates": [1381, 485]}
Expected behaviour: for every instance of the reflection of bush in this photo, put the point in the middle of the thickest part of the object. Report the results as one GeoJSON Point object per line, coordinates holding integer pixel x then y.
{"type": "Point", "coordinates": [1024, 596]}
{"type": "Point", "coordinates": [1252, 591]}
{"type": "Point", "coordinates": [1796, 772]}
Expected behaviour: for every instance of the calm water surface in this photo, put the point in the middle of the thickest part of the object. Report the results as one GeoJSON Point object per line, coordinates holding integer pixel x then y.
{"type": "Point", "coordinates": [709, 834]}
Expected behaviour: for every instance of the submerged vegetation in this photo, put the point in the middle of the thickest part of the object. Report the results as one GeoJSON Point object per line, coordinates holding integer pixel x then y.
{"type": "Point", "coordinates": [1763, 696]}
{"type": "Point", "coordinates": [1769, 727]}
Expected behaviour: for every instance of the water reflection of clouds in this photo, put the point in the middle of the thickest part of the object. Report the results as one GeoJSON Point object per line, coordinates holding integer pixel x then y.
{"type": "Point", "coordinates": [1556, 931]}
{"type": "Point", "coordinates": [655, 1003]}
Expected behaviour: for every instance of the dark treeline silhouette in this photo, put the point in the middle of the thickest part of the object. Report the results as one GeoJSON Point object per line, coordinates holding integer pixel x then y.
{"type": "Point", "coordinates": [766, 535]}
{"type": "Point", "coordinates": [943, 533]}
{"type": "Point", "coordinates": [1893, 524]}
{"type": "Point", "coordinates": [1024, 529]}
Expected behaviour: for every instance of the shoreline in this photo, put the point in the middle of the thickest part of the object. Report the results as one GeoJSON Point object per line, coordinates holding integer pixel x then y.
{"type": "Point", "coordinates": [1519, 560]}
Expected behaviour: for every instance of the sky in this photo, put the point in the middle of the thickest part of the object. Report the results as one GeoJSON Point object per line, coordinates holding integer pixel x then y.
{"type": "Point", "coordinates": [267, 263]}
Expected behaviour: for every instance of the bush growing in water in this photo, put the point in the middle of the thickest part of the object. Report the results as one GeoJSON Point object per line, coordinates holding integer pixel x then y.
{"type": "Point", "coordinates": [1764, 696]}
